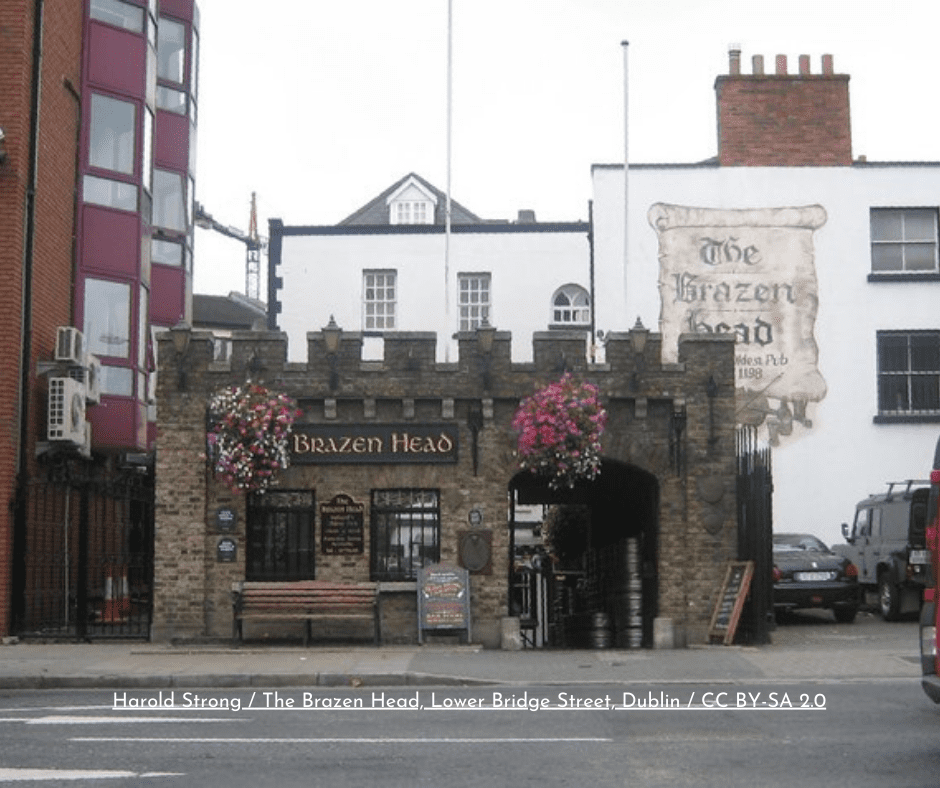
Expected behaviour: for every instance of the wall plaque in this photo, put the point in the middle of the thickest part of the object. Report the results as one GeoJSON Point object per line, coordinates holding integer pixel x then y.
{"type": "Point", "coordinates": [342, 526]}
{"type": "Point", "coordinates": [226, 550]}
{"type": "Point", "coordinates": [322, 444]}
{"type": "Point", "coordinates": [443, 599]}
{"type": "Point", "coordinates": [225, 520]}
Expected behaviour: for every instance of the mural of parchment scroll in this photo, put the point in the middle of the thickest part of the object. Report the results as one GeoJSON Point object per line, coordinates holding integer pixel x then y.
{"type": "Point", "coordinates": [751, 273]}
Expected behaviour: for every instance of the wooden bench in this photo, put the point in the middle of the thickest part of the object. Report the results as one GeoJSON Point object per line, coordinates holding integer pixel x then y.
{"type": "Point", "coordinates": [304, 600]}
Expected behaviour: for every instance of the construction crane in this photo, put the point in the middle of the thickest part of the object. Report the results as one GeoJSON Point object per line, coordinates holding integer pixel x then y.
{"type": "Point", "coordinates": [254, 244]}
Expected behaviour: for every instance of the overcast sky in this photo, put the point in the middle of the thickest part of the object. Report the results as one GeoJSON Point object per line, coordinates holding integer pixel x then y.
{"type": "Point", "coordinates": [318, 106]}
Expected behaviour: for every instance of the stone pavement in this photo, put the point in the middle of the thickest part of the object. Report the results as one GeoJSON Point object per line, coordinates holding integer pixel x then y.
{"type": "Point", "coordinates": [36, 665]}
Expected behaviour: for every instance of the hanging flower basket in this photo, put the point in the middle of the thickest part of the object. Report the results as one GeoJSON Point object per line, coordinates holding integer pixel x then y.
{"type": "Point", "coordinates": [249, 427]}
{"type": "Point", "coordinates": [560, 428]}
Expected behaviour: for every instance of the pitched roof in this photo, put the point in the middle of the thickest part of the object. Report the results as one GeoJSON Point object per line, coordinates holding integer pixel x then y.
{"type": "Point", "coordinates": [234, 312]}
{"type": "Point", "coordinates": [376, 210]}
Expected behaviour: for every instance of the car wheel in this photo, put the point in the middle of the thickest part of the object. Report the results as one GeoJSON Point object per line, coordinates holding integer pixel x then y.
{"type": "Point", "coordinates": [889, 599]}
{"type": "Point", "coordinates": [845, 615]}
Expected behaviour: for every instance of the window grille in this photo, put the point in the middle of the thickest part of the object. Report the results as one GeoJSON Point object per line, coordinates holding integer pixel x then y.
{"type": "Point", "coordinates": [406, 532]}
{"type": "Point", "coordinates": [909, 372]}
{"type": "Point", "coordinates": [280, 536]}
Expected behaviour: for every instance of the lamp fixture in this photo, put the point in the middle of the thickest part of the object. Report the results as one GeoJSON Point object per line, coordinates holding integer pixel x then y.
{"type": "Point", "coordinates": [181, 335]}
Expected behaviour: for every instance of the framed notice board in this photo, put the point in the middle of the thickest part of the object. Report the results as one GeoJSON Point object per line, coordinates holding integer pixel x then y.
{"type": "Point", "coordinates": [443, 599]}
{"type": "Point", "coordinates": [730, 601]}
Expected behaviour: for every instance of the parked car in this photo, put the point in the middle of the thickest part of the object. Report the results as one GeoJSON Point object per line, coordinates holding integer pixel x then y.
{"type": "Point", "coordinates": [808, 574]}
{"type": "Point", "coordinates": [886, 542]}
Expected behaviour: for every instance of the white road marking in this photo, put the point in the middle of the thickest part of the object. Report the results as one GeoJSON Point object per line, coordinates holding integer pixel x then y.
{"type": "Point", "coordinates": [35, 775]}
{"type": "Point", "coordinates": [81, 720]}
{"type": "Point", "coordinates": [340, 740]}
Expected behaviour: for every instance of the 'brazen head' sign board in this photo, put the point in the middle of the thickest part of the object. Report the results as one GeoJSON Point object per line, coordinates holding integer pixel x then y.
{"type": "Point", "coordinates": [750, 273]}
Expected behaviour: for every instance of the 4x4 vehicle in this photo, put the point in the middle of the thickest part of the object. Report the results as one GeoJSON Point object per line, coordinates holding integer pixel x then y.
{"type": "Point", "coordinates": [888, 545]}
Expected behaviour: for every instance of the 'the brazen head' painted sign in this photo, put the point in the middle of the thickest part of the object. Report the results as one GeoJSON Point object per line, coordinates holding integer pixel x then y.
{"type": "Point", "coordinates": [750, 273]}
{"type": "Point", "coordinates": [373, 443]}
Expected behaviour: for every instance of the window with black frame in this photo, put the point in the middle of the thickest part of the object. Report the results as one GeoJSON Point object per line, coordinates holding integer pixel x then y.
{"type": "Point", "coordinates": [280, 535]}
{"type": "Point", "coordinates": [909, 373]}
{"type": "Point", "coordinates": [406, 532]}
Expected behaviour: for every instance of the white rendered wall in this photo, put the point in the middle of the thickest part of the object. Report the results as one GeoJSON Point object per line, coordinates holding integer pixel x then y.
{"type": "Point", "coordinates": [820, 470]}
{"type": "Point", "coordinates": [322, 276]}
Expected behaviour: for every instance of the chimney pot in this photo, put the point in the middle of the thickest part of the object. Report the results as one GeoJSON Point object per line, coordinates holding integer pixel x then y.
{"type": "Point", "coordinates": [758, 65]}
{"type": "Point", "coordinates": [734, 59]}
{"type": "Point", "coordinates": [827, 65]}
{"type": "Point", "coordinates": [804, 65]}
{"type": "Point", "coordinates": [781, 65]}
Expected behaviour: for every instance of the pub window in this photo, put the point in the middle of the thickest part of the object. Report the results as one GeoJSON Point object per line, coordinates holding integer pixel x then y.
{"type": "Point", "coordinates": [406, 532]}
{"type": "Point", "coordinates": [279, 535]}
{"type": "Point", "coordinates": [908, 373]}
{"type": "Point", "coordinates": [904, 240]}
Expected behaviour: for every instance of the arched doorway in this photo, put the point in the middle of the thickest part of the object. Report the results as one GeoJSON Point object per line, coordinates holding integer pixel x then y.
{"type": "Point", "coordinates": [583, 569]}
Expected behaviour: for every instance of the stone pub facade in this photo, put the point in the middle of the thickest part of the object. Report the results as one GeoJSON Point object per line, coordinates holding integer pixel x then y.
{"type": "Point", "coordinates": [407, 461]}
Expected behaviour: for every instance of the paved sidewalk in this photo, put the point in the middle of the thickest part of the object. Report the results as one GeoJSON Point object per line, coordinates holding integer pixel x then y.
{"type": "Point", "coordinates": [34, 665]}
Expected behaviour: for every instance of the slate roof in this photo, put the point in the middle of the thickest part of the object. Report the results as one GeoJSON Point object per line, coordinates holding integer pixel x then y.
{"type": "Point", "coordinates": [376, 210]}
{"type": "Point", "coordinates": [234, 312]}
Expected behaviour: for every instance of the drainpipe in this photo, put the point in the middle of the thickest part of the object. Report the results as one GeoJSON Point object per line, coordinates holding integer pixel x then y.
{"type": "Point", "coordinates": [18, 573]}
{"type": "Point", "coordinates": [590, 238]}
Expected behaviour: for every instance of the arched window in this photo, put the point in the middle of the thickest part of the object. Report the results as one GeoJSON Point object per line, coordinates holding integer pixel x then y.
{"type": "Point", "coordinates": [571, 306]}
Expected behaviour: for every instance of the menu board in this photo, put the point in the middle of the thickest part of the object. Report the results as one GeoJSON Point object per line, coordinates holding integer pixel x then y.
{"type": "Point", "coordinates": [342, 526]}
{"type": "Point", "coordinates": [443, 599]}
{"type": "Point", "coordinates": [730, 601]}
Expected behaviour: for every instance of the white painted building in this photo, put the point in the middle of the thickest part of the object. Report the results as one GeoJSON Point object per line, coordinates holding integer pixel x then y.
{"type": "Point", "coordinates": [391, 266]}
{"type": "Point", "coordinates": [827, 272]}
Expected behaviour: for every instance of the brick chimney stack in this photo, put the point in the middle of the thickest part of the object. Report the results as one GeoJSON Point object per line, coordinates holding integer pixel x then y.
{"type": "Point", "coordinates": [783, 120]}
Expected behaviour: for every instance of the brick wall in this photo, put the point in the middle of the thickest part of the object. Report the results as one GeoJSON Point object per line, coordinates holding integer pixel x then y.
{"type": "Point", "coordinates": [782, 119]}
{"type": "Point", "coordinates": [695, 476]}
{"type": "Point", "coordinates": [54, 211]}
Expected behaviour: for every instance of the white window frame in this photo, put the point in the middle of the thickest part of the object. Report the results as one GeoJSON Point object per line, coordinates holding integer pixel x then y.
{"type": "Point", "coordinates": [901, 243]}
{"type": "Point", "coordinates": [379, 300]}
{"type": "Point", "coordinates": [907, 381]}
{"type": "Point", "coordinates": [576, 312]}
{"type": "Point", "coordinates": [473, 300]}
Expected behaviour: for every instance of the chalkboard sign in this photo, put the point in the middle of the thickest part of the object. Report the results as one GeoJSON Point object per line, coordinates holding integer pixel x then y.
{"type": "Point", "coordinates": [730, 601]}
{"type": "Point", "coordinates": [341, 526]}
{"type": "Point", "coordinates": [443, 599]}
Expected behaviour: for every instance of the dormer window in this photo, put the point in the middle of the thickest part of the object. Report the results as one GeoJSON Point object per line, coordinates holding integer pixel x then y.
{"type": "Point", "coordinates": [411, 203]}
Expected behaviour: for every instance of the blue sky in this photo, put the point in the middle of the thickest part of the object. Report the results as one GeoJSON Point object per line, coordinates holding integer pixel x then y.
{"type": "Point", "coordinates": [321, 105]}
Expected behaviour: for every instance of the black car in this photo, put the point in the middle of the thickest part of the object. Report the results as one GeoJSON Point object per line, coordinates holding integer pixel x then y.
{"type": "Point", "coordinates": [808, 574]}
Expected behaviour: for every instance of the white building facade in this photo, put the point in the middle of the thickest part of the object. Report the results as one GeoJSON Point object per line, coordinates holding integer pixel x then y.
{"type": "Point", "coordinates": [393, 267]}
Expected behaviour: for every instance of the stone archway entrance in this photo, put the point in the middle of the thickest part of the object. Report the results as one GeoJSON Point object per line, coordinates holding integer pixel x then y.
{"type": "Point", "coordinates": [583, 570]}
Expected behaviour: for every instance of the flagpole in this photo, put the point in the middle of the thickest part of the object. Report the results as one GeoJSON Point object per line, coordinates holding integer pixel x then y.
{"type": "Point", "coordinates": [626, 179]}
{"type": "Point", "coordinates": [450, 77]}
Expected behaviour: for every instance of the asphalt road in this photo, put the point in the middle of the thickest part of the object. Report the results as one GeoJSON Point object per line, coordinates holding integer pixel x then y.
{"type": "Point", "coordinates": [858, 733]}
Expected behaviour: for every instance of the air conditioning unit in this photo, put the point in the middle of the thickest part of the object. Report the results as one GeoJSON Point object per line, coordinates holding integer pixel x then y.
{"type": "Point", "coordinates": [66, 411]}
{"type": "Point", "coordinates": [69, 345]}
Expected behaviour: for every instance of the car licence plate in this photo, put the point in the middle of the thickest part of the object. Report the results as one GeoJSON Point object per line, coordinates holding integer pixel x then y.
{"type": "Point", "coordinates": [812, 577]}
{"type": "Point", "coordinates": [919, 557]}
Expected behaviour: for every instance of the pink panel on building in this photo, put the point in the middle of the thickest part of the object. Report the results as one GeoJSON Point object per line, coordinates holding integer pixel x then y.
{"type": "Point", "coordinates": [117, 60]}
{"type": "Point", "coordinates": [167, 289]}
{"type": "Point", "coordinates": [172, 142]}
{"type": "Point", "coordinates": [110, 241]}
{"type": "Point", "coordinates": [114, 424]}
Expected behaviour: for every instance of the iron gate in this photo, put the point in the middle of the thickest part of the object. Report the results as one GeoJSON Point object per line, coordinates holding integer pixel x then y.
{"type": "Point", "coordinates": [87, 557]}
{"type": "Point", "coordinates": [755, 534]}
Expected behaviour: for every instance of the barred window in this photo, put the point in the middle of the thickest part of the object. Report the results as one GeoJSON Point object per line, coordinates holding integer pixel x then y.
{"type": "Point", "coordinates": [280, 537]}
{"type": "Point", "coordinates": [908, 372]}
{"type": "Point", "coordinates": [903, 240]}
{"type": "Point", "coordinates": [473, 299]}
{"type": "Point", "coordinates": [378, 300]}
{"type": "Point", "coordinates": [406, 532]}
